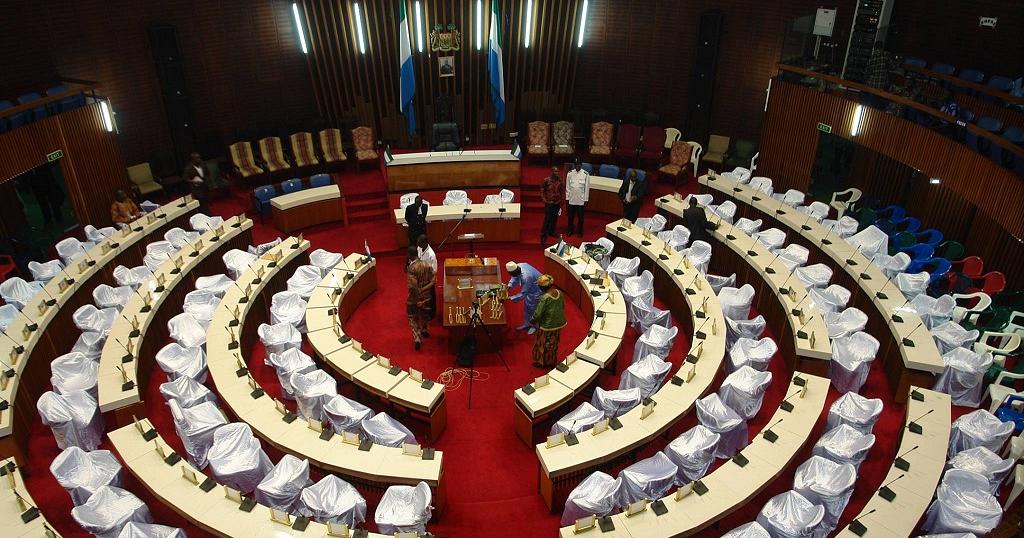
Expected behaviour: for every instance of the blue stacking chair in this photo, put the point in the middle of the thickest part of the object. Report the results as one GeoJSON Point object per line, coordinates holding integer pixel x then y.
{"type": "Point", "coordinates": [919, 254]}
{"type": "Point", "coordinates": [67, 103]}
{"type": "Point", "coordinates": [38, 112]}
{"type": "Point", "coordinates": [5, 123]}
{"type": "Point", "coordinates": [640, 174]}
{"type": "Point", "coordinates": [989, 124]}
{"type": "Point", "coordinates": [937, 268]}
{"type": "Point", "coordinates": [1000, 155]}
{"type": "Point", "coordinates": [320, 180]}
{"type": "Point", "coordinates": [886, 226]}
{"type": "Point", "coordinates": [906, 224]}
{"type": "Point", "coordinates": [261, 199]}
{"type": "Point", "coordinates": [292, 185]}
{"type": "Point", "coordinates": [916, 62]}
{"type": "Point", "coordinates": [892, 212]}
{"type": "Point", "coordinates": [589, 168]}
{"type": "Point", "coordinates": [945, 69]}
{"type": "Point", "coordinates": [608, 170]}
{"type": "Point", "coordinates": [929, 236]}
{"type": "Point", "coordinates": [970, 75]}
{"type": "Point", "coordinates": [998, 83]}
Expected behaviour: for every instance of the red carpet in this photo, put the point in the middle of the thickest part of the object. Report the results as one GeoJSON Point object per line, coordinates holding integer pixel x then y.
{"type": "Point", "coordinates": [491, 475]}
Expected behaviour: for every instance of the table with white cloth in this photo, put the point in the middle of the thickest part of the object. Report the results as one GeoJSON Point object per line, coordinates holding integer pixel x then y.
{"type": "Point", "coordinates": [497, 222]}
{"type": "Point", "coordinates": [699, 312]}
{"type": "Point", "coordinates": [55, 332]}
{"type": "Point", "coordinates": [904, 365]}
{"type": "Point", "coordinates": [14, 513]}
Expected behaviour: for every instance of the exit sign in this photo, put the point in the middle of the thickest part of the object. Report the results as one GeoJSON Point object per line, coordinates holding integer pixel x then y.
{"type": "Point", "coordinates": [825, 128]}
{"type": "Point", "coordinates": [53, 156]}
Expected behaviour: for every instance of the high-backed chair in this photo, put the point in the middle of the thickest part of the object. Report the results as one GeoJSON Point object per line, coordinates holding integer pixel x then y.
{"type": "Point", "coordinates": [538, 139]}
{"type": "Point", "coordinates": [365, 144]}
{"type": "Point", "coordinates": [679, 161]}
{"type": "Point", "coordinates": [742, 153]}
{"type": "Point", "coordinates": [627, 143]}
{"type": "Point", "coordinates": [562, 133]}
{"type": "Point", "coordinates": [302, 150]}
{"type": "Point", "coordinates": [600, 140]}
{"type": "Point", "coordinates": [143, 180]}
{"type": "Point", "coordinates": [243, 160]}
{"type": "Point", "coordinates": [331, 147]}
{"type": "Point", "coordinates": [653, 144]}
{"type": "Point", "coordinates": [718, 150]}
{"type": "Point", "coordinates": [272, 154]}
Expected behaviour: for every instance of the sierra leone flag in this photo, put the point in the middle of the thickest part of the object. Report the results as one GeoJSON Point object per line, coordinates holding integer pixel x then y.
{"type": "Point", "coordinates": [494, 66]}
{"type": "Point", "coordinates": [407, 78]}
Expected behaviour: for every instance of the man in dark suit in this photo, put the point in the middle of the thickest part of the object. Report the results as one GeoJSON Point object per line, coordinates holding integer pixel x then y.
{"type": "Point", "coordinates": [632, 193]}
{"type": "Point", "coordinates": [416, 219]}
{"type": "Point", "coordinates": [697, 222]}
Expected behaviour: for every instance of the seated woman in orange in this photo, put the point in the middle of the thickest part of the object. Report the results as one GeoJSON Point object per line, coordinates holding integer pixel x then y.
{"type": "Point", "coordinates": [124, 209]}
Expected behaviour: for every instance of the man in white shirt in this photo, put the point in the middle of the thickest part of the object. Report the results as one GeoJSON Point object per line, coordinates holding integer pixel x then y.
{"type": "Point", "coordinates": [426, 253]}
{"type": "Point", "coordinates": [577, 193]}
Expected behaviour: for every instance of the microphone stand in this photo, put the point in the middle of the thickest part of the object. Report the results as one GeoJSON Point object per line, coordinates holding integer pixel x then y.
{"type": "Point", "coordinates": [452, 231]}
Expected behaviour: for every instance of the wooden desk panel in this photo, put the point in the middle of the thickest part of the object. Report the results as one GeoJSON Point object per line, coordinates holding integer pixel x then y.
{"type": "Point", "coordinates": [311, 214]}
{"type": "Point", "coordinates": [486, 219]}
{"type": "Point", "coordinates": [452, 175]}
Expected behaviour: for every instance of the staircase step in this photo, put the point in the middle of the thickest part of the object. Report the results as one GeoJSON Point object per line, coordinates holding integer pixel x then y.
{"type": "Point", "coordinates": [366, 202]}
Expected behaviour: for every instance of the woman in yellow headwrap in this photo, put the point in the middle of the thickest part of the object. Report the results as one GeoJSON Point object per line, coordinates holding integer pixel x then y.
{"type": "Point", "coordinates": [549, 317]}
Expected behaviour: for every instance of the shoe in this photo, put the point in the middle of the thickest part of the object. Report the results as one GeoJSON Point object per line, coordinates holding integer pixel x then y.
{"type": "Point", "coordinates": [417, 346]}
{"type": "Point", "coordinates": [523, 327]}
{"type": "Point", "coordinates": [425, 334]}
{"type": "Point", "coordinates": [532, 330]}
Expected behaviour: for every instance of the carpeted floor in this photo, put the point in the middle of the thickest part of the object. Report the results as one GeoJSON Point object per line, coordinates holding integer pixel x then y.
{"type": "Point", "coordinates": [491, 475]}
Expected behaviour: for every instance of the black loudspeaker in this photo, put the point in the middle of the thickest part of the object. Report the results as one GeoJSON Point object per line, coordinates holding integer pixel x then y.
{"type": "Point", "coordinates": [705, 69]}
{"type": "Point", "coordinates": [170, 71]}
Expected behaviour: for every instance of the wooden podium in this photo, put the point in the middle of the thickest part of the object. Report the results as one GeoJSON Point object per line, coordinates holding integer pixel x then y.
{"type": "Point", "coordinates": [469, 280]}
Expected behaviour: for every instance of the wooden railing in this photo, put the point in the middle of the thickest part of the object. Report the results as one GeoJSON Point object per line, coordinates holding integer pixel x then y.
{"type": "Point", "coordinates": [75, 87]}
{"type": "Point", "coordinates": [1002, 96]}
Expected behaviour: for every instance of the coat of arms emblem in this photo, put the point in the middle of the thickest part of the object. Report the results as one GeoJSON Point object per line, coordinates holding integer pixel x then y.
{"type": "Point", "coordinates": [445, 41]}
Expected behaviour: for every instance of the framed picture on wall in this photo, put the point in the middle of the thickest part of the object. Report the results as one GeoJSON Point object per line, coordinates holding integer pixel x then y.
{"type": "Point", "coordinates": [446, 66]}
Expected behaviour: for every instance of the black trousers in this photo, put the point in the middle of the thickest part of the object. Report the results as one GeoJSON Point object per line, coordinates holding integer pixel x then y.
{"type": "Point", "coordinates": [631, 210]}
{"type": "Point", "coordinates": [550, 220]}
{"type": "Point", "coordinates": [576, 215]}
{"type": "Point", "coordinates": [414, 234]}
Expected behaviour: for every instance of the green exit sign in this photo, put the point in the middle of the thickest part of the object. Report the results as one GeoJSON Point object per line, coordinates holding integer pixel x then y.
{"type": "Point", "coordinates": [53, 156]}
{"type": "Point", "coordinates": [825, 128]}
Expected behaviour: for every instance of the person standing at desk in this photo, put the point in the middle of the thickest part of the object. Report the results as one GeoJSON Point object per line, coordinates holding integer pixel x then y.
{"type": "Point", "coordinates": [416, 219]}
{"type": "Point", "coordinates": [632, 193]}
{"type": "Point", "coordinates": [551, 195]}
{"type": "Point", "coordinates": [550, 318]}
{"type": "Point", "coordinates": [195, 176]}
{"type": "Point", "coordinates": [525, 276]}
{"type": "Point", "coordinates": [420, 281]}
{"type": "Point", "coordinates": [697, 222]}
{"type": "Point", "coordinates": [577, 194]}
{"type": "Point", "coordinates": [426, 253]}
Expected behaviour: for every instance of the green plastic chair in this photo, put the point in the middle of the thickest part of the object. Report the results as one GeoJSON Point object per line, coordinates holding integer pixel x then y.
{"type": "Point", "coordinates": [866, 217]}
{"type": "Point", "coordinates": [951, 250]}
{"type": "Point", "coordinates": [217, 182]}
{"type": "Point", "coordinates": [902, 241]}
{"type": "Point", "coordinates": [741, 154]}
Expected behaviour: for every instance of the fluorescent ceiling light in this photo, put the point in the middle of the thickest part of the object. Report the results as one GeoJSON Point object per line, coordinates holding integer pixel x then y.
{"type": "Point", "coordinates": [298, 26]}
{"type": "Point", "coordinates": [583, 25]}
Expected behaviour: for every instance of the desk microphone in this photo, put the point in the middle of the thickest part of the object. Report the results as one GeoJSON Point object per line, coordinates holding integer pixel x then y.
{"type": "Point", "coordinates": [134, 332]}
{"type": "Point", "coordinates": [783, 289]}
{"type": "Point", "coordinates": [879, 293]}
{"type": "Point", "coordinates": [570, 438]}
{"type": "Point", "coordinates": [804, 226]}
{"type": "Point", "coordinates": [779, 210]}
{"type": "Point", "coordinates": [895, 316]}
{"type": "Point", "coordinates": [901, 463]}
{"type": "Point", "coordinates": [699, 333]}
{"type": "Point", "coordinates": [31, 326]}
{"type": "Point", "coordinates": [914, 427]}
{"type": "Point", "coordinates": [906, 339]}
{"type": "Point", "coordinates": [885, 492]}
{"type": "Point", "coordinates": [8, 371]}
{"type": "Point", "coordinates": [863, 274]}
{"type": "Point", "coordinates": [67, 279]}
{"type": "Point", "coordinates": [796, 308]}
{"type": "Point", "coordinates": [825, 240]}
{"type": "Point", "coordinates": [145, 305]}
{"type": "Point", "coordinates": [769, 435]}
{"type": "Point", "coordinates": [856, 526]}
{"type": "Point", "coordinates": [128, 357]}
{"type": "Point", "coordinates": [18, 348]}
{"type": "Point", "coordinates": [91, 262]}
{"type": "Point", "coordinates": [785, 405]}
{"type": "Point", "coordinates": [800, 332]}
{"type": "Point", "coordinates": [51, 301]}
{"type": "Point", "coordinates": [245, 297]}
{"type": "Point", "coordinates": [850, 260]}
{"type": "Point", "coordinates": [689, 290]}
{"type": "Point", "coordinates": [675, 270]}
{"type": "Point", "coordinates": [769, 269]}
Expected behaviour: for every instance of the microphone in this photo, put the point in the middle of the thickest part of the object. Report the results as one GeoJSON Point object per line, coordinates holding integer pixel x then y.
{"type": "Point", "coordinates": [800, 332]}
{"type": "Point", "coordinates": [796, 308]}
{"type": "Point", "coordinates": [245, 296]}
{"type": "Point", "coordinates": [689, 290]}
{"type": "Point", "coordinates": [896, 317]}
{"type": "Point", "coordinates": [785, 405]}
{"type": "Point", "coordinates": [675, 270]}
{"type": "Point", "coordinates": [779, 210]}
{"type": "Point", "coordinates": [804, 226]}
{"type": "Point", "coordinates": [145, 306]}
{"type": "Point", "coordinates": [914, 427]}
{"type": "Point", "coordinates": [906, 339]}
{"type": "Point", "coordinates": [769, 435]}
{"type": "Point", "coordinates": [783, 289]}
{"type": "Point", "coordinates": [901, 463]}
{"type": "Point", "coordinates": [700, 333]}
{"type": "Point", "coordinates": [863, 274]}
{"type": "Point", "coordinates": [851, 261]}
{"type": "Point", "coordinates": [51, 301]}
{"type": "Point", "coordinates": [885, 492]}
{"type": "Point", "coordinates": [856, 526]}
{"type": "Point", "coordinates": [67, 279]}
{"type": "Point", "coordinates": [129, 357]}
{"type": "Point", "coordinates": [30, 326]}
{"type": "Point", "coordinates": [133, 323]}
{"type": "Point", "coordinates": [91, 262]}
{"type": "Point", "coordinates": [825, 240]}
{"type": "Point", "coordinates": [769, 269]}
{"type": "Point", "coordinates": [570, 438]}
{"type": "Point", "coordinates": [879, 293]}
{"type": "Point", "coordinates": [18, 348]}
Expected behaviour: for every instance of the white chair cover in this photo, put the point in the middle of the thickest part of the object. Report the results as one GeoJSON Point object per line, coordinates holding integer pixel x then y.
{"type": "Point", "coordinates": [157, 253]}
{"type": "Point", "coordinates": [615, 403]}
{"type": "Point", "coordinates": [762, 184]}
{"type": "Point", "coordinates": [963, 504]}
{"type": "Point", "coordinates": [726, 210]}
{"type": "Point", "coordinates": [750, 328]}
{"type": "Point", "coordinates": [236, 458]}
{"type": "Point", "coordinates": [755, 354]}
{"type": "Point", "coordinates": [950, 336]}
{"type": "Point", "coordinates": [657, 341]}
{"type": "Point", "coordinates": [743, 391]}
{"type": "Point", "coordinates": [203, 223]}
{"type": "Point", "coordinates": [407, 199]}
{"type": "Point", "coordinates": [870, 241]}
{"type": "Point", "coordinates": [90, 318]}
{"type": "Point", "coordinates": [287, 362]}
{"type": "Point", "coordinates": [134, 529]}
{"type": "Point", "coordinates": [74, 371]}
{"type": "Point", "coordinates": [818, 210]}
{"type": "Point", "coordinates": [605, 258]}
{"type": "Point", "coordinates": [279, 337]}
{"type": "Point", "coordinates": [176, 360]}
{"type": "Point", "coordinates": [108, 510]}
{"type": "Point", "coordinates": [384, 430]}
{"type": "Point", "coordinates": [748, 530]}
{"type": "Point", "coordinates": [187, 392]}
{"type": "Point", "coordinates": [312, 391]}
{"type": "Point", "coordinates": [963, 375]}
{"type": "Point", "coordinates": [640, 287]}
{"type": "Point", "coordinates": [814, 276]}
{"type": "Point", "coordinates": [71, 248]}
{"type": "Point", "coordinates": [772, 238]}
{"type": "Point", "coordinates": [647, 374]}
{"type": "Point", "coordinates": [826, 483]}
{"type": "Point", "coordinates": [714, 415]}
{"type": "Point", "coordinates": [699, 254]}
{"type": "Point", "coordinates": [282, 486]}
{"type": "Point", "coordinates": [44, 272]}
{"type": "Point", "coordinates": [187, 330]}
{"type": "Point", "coordinates": [201, 305]}
{"type": "Point", "coordinates": [648, 478]}
{"type": "Point", "coordinates": [107, 297]}
{"type": "Point", "coordinates": [96, 235]}
{"type": "Point", "coordinates": [702, 199]}
{"type": "Point", "coordinates": [288, 307]}
{"type": "Point", "coordinates": [147, 206]}
{"type": "Point", "coordinates": [794, 256]}
{"type": "Point", "coordinates": [747, 226]}
{"type": "Point", "coordinates": [851, 361]}
{"type": "Point", "coordinates": [74, 418]}
{"type": "Point", "coordinates": [598, 494]}
{"type": "Point", "coordinates": [912, 284]}
{"type": "Point", "coordinates": [831, 299]}
{"type": "Point", "coordinates": [133, 277]}
{"type": "Point", "coordinates": [644, 315]}
{"type": "Point", "coordinates": [844, 444]}
{"type": "Point", "coordinates": [324, 260]}
{"type": "Point", "coordinates": [305, 280]}
{"type": "Point", "coordinates": [984, 462]}
{"type": "Point", "coordinates": [849, 321]}
{"type": "Point", "coordinates": [792, 197]}
{"type": "Point", "coordinates": [677, 238]}
{"type": "Point", "coordinates": [580, 419]}
{"type": "Point", "coordinates": [736, 301]}
{"type": "Point", "coordinates": [195, 426]}
{"type": "Point", "coordinates": [978, 428]}
{"type": "Point", "coordinates": [237, 262]}
{"type": "Point", "coordinates": [263, 248]}
{"type": "Point", "coordinates": [16, 291]}
{"type": "Point", "coordinates": [180, 238]}
{"type": "Point", "coordinates": [845, 227]}
{"type": "Point", "coordinates": [218, 284]}
{"type": "Point", "coordinates": [692, 452]}
{"type": "Point", "coordinates": [855, 411]}
{"type": "Point", "coordinates": [404, 509]}
{"type": "Point", "coordinates": [333, 499]}
{"type": "Point", "coordinates": [790, 515]}
{"type": "Point", "coordinates": [622, 268]}
{"type": "Point", "coordinates": [933, 312]}
{"type": "Point", "coordinates": [655, 223]}
{"type": "Point", "coordinates": [346, 415]}
{"type": "Point", "coordinates": [90, 344]}
{"type": "Point", "coordinates": [456, 197]}
{"type": "Point", "coordinates": [7, 314]}
{"type": "Point", "coordinates": [719, 282]}
{"type": "Point", "coordinates": [892, 265]}
{"type": "Point", "coordinates": [81, 473]}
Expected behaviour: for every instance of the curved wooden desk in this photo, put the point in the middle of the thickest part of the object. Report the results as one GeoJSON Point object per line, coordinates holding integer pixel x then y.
{"type": "Point", "coordinates": [486, 219]}
{"type": "Point", "coordinates": [747, 257]}
{"type": "Point", "coordinates": [904, 365]}
{"type": "Point", "coordinates": [730, 486]}
{"type": "Point", "coordinates": [452, 170]}
{"type": "Point", "coordinates": [926, 455]}
{"type": "Point", "coordinates": [376, 468]}
{"type": "Point", "coordinates": [210, 510]}
{"type": "Point", "coordinates": [308, 207]}
{"type": "Point", "coordinates": [604, 195]}
{"type": "Point", "coordinates": [572, 377]}
{"type": "Point", "coordinates": [21, 519]}
{"type": "Point", "coordinates": [561, 466]}
{"type": "Point", "coordinates": [55, 331]}
{"type": "Point", "coordinates": [333, 301]}
{"type": "Point", "coordinates": [128, 353]}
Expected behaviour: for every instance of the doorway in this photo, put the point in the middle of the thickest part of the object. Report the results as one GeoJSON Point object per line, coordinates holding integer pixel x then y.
{"type": "Point", "coordinates": [35, 210]}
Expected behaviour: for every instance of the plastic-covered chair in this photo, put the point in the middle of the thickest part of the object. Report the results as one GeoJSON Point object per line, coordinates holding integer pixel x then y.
{"type": "Point", "coordinates": [912, 284]}
{"type": "Point", "coordinates": [456, 197]}
{"type": "Point", "coordinates": [640, 287]}
{"type": "Point", "coordinates": [790, 515]}
{"type": "Point", "coordinates": [288, 307]}
{"type": "Point", "coordinates": [236, 458]}
{"type": "Point", "coordinates": [333, 499]}
{"type": "Point", "coordinates": [692, 452]}
{"type": "Point", "coordinates": [282, 486]}
{"type": "Point", "coordinates": [108, 297]}
{"type": "Point", "coordinates": [157, 253]}
{"type": "Point", "coordinates": [702, 199]}
{"type": "Point", "coordinates": [622, 268]}
{"type": "Point", "coordinates": [794, 256]}
{"type": "Point", "coordinates": [81, 473]}
{"type": "Point", "coordinates": [749, 328]}
{"type": "Point", "coordinates": [736, 301]}
{"type": "Point", "coordinates": [743, 391]}
{"type": "Point", "coordinates": [855, 411]}
{"type": "Point", "coordinates": [817, 210]}
{"type": "Point", "coordinates": [324, 260]}
{"type": "Point", "coordinates": [201, 305]}
{"type": "Point", "coordinates": [963, 504]}
{"type": "Point", "coordinates": [345, 415]}
{"type": "Point", "coordinates": [263, 248]}
{"type": "Point", "coordinates": [845, 227]}
{"type": "Point", "coordinates": [279, 337]}
{"type": "Point", "coordinates": [187, 392]}
{"type": "Point", "coordinates": [831, 299]}
{"type": "Point", "coordinates": [648, 478]}
{"type": "Point", "coordinates": [90, 344]}
{"type": "Point", "coordinates": [7, 314]}
{"type": "Point", "coordinates": [814, 276]}
{"type": "Point", "coordinates": [643, 316]}
{"type": "Point", "coordinates": [70, 249]}
{"type": "Point", "coordinates": [179, 238]}
{"type": "Point", "coordinates": [74, 419]}
{"type": "Point", "coordinates": [647, 374]}
{"type": "Point", "coordinates": [195, 427]}
{"type": "Point", "coordinates": [933, 312]}
{"type": "Point", "coordinates": [984, 462]}
{"type": "Point", "coordinates": [404, 509]}
{"type": "Point", "coordinates": [598, 494]}
{"type": "Point", "coordinates": [108, 510]}
{"type": "Point", "coordinates": [677, 238]}
{"type": "Point", "coordinates": [133, 277]}
{"type": "Point", "coordinates": [615, 403]}
{"type": "Point", "coordinates": [286, 363]}
{"type": "Point", "coordinates": [756, 354]}
{"type": "Point", "coordinates": [203, 223]}
{"type": "Point", "coordinates": [601, 251]}
{"type": "Point", "coordinates": [714, 415]}
{"type": "Point", "coordinates": [187, 330]}
{"type": "Point", "coordinates": [74, 371]}
{"type": "Point", "coordinates": [580, 419]}
{"type": "Point", "coordinates": [826, 483]}
{"type": "Point", "coordinates": [90, 318]}
{"type": "Point", "coordinates": [97, 235]}
{"type": "Point", "coordinates": [760, 183]}
{"type": "Point", "coordinates": [845, 323]}
{"type": "Point", "coordinates": [504, 196]}
{"type": "Point", "coordinates": [305, 280]}
{"type": "Point", "coordinates": [748, 530]}
{"type": "Point", "coordinates": [16, 291]}
{"type": "Point", "coordinates": [747, 226]}
{"type": "Point", "coordinates": [176, 360]}
{"type": "Point", "coordinates": [657, 341]}
{"type": "Point", "coordinates": [655, 223]}
{"type": "Point", "coordinates": [772, 238]}
{"type": "Point", "coordinates": [312, 390]}
{"type": "Point", "coordinates": [792, 197]}
{"type": "Point", "coordinates": [844, 444]}
{"type": "Point", "coordinates": [699, 254]}
{"type": "Point", "coordinates": [851, 360]}
{"type": "Point", "coordinates": [978, 428]}
{"type": "Point", "coordinates": [135, 529]}
{"type": "Point", "coordinates": [962, 376]}
{"type": "Point", "coordinates": [950, 336]}
{"type": "Point", "coordinates": [237, 262]}
{"type": "Point", "coordinates": [870, 241]}
{"type": "Point", "coordinates": [719, 282]}
{"type": "Point", "coordinates": [725, 210]}
{"type": "Point", "coordinates": [44, 272]}
{"type": "Point", "coordinates": [386, 431]}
